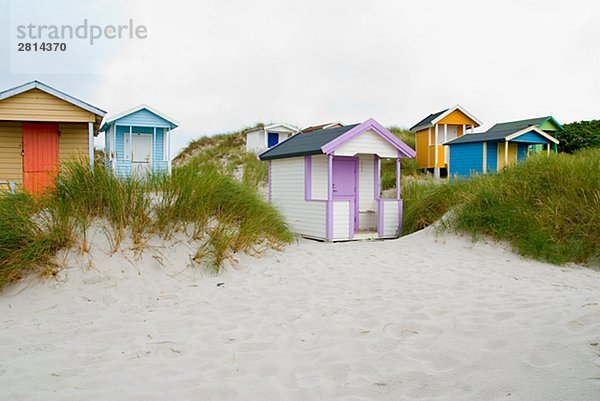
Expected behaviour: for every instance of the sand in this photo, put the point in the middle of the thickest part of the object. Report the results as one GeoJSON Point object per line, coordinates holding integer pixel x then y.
{"type": "Point", "coordinates": [419, 318]}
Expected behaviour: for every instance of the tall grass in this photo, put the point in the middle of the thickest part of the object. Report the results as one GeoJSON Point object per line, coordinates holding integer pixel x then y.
{"type": "Point", "coordinates": [222, 214]}
{"type": "Point", "coordinates": [27, 243]}
{"type": "Point", "coordinates": [547, 208]}
{"type": "Point", "coordinates": [408, 167]}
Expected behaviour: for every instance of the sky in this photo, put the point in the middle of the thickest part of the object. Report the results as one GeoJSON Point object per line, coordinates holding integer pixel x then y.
{"type": "Point", "coordinates": [220, 65]}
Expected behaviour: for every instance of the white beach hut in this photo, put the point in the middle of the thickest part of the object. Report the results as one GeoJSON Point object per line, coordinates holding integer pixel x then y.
{"type": "Point", "coordinates": [261, 138]}
{"type": "Point", "coordinates": [326, 183]}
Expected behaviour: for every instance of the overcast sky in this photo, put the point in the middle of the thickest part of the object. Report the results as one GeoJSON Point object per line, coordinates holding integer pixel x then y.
{"type": "Point", "coordinates": [217, 66]}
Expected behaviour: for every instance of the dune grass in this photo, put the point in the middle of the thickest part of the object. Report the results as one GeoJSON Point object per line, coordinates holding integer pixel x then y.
{"type": "Point", "coordinates": [223, 215]}
{"type": "Point", "coordinates": [227, 153]}
{"type": "Point", "coordinates": [547, 208]}
{"type": "Point", "coordinates": [408, 167]}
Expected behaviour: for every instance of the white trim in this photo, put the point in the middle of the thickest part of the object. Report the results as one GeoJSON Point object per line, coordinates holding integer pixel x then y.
{"type": "Point", "coordinates": [169, 167]}
{"type": "Point", "coordinates": [436, 169]}
{"type": "Point", "coordinates": [529, 129]}
{"type": "Point", "coordinates": [445, 132]}
{"type": "Point", "coordinates": [165, 145]}
{"type": "Point", "coordinates": [506, 154]}
{"type": "Point", "coordinates": [273, 128]}
{"type": "Point", "coordinates": [153, 145]}
{"type": "Point", "coordinates": [91, 142]}
{"type": "Point", "coordinates": [484, 166]}
{"type": "Point", "coordinates": [452, 109]}
{"type": "Point", "coordinates": [135, 109]}
{"type": "Point", "coordinates": [464, 131]}
{"type": "Point", "coordinates": [54, 92]}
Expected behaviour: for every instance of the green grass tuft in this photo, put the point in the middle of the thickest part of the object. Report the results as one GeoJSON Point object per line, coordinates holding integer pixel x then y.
{"type": "Point", "coordinates": [547, 208]}
{"type": "Point", "coordinates": [224, 215]}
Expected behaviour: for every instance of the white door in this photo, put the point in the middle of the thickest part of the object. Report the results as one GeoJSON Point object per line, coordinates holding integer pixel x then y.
{"type": "Point", "coordinates": [141, 157]}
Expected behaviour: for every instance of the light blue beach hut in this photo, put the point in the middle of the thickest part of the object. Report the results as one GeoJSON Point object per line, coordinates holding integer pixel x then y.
{"type": "Point", "coordinates": [137, 141]}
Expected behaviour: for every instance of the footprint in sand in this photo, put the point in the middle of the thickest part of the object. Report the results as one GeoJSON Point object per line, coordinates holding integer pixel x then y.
{"type": "Point", "coordinates": [546, 355]}
{"type": "Point", "coordinates": [500, 316]}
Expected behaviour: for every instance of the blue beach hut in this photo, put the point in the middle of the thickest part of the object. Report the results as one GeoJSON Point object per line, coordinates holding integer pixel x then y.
{"type": "Point", "coordinates": [495, 149]}
{"type": "Point", "coordinates": [137, 141]}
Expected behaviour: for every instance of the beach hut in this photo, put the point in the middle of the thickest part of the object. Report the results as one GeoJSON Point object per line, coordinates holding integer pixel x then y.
{"type": "Point", "coordinates": [437, 128]}
{"type": "Point", "coordinates": [334, 124]}
{"type": "Point", "coordinates": [326, 183]}
{"type": "Point", "coordinates": [138, 141]}
{"type": "Point", "coordinates": [264, 137]}
{"type": "Point", "coordinates": [548, 124]}
{"type": "Point", "coordinates": [495, 149]}
{"type": "Point", "coordinates": [40, 129]}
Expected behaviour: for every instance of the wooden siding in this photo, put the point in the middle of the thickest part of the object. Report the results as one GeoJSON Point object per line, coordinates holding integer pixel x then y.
{"type": "Point", "coordinates": [319, 177]}
{"type": "Point", "coordinates": [492, 157]}
{"type": "Point", "coordinates": [457, 117]}
{"type": "Point", "coordinates": [531, 138]}
{"type": "Point", "coordinates": [422, 149]}
{"type": "Point", "coordinates": [522, 151]}
{"type": "Point", "coordinates": [367, 142]}
{"type": "Point", "coordinates": [466, 159]}
{"type": "Point", "coordinates": [11, 145]}
{"type": "Point", "coordinates": [37, 105]}
{"type": "Point", "coordinates": [73, 141]}
{"type": "Point", "coordinates": [143, 118]}
{"type": "Point", "coordinates": [341, 220]}
{"type": "Point", "coordinates": [255, 141]}
{"type": "Point", "coordinates": [390, 218]}
{"type": "Point", "coordinates": [548, 126]}
{"type": "Point", "coordinates": [512, 155]}
{"type": "Point", "coordinates": [287, 195]}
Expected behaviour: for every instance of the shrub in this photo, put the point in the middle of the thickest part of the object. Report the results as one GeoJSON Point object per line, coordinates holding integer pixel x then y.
{"type": "Point", "coordinates": [579, 135]}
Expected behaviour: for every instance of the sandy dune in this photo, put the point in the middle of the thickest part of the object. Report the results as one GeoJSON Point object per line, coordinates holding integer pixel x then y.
{"type": "Point", "coordinates": [422, 317]}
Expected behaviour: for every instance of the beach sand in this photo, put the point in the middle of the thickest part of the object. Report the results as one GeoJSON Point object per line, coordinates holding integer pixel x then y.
{"type": "Point", "coordinates": [425, 317]}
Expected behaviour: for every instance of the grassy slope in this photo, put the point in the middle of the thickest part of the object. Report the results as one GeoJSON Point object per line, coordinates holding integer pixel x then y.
{"type": "Point", "coordinates": [224, 215]}
{"type": "Point", "coordinates": [227, 152]}
{"type": "Point", "coordinates": [547, 208]}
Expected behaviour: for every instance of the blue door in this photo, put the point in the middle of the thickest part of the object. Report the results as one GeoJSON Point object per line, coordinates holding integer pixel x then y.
{"type": "Point", "coordinates": [273, 139]}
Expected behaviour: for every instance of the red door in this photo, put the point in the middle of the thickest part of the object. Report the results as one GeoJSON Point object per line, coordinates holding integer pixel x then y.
{"type": "Point", "coordinates": [40, 156]}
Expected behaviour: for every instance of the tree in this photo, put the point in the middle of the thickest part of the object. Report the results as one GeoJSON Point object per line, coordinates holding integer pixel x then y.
{"type": "Point", "coordinates": [579, 135]}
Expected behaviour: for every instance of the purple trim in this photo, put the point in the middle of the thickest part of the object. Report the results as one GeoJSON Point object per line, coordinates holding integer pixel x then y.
{"type": "Point", "coordinates": [376, 176]}
{"type": "Point", "coordinates": [398, 177]}
{"type": "Point", "coordinates": [400, 205]}
{"type": "Point", "coordinates": [380, 202]}
{"type": "Point", "coordinates": [356, 222]}
{"type": "Point", "coordinates": [375, 126]}
{"type": "Point", "coordinates": [269, 180]}
{"type": "Point", "coordinates": [308, 177]}
{"type": "Point", "coordinates": [352, 215]}
{"type": "Point", "coordinates": [329, 210]}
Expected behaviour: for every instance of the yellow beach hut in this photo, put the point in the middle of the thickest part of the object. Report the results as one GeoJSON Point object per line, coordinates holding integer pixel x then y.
{"type": "Point", "coordinates": [41, 128]}
{"type": "Point", "coordinates": [437, 128]}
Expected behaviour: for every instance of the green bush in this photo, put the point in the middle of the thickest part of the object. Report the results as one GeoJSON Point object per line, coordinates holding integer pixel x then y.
{"type": "Point", "coordinates": [579, 135]}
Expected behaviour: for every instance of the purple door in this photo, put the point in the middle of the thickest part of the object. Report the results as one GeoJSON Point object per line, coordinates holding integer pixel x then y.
{"type": "Point", "coordinates": [344, 177]}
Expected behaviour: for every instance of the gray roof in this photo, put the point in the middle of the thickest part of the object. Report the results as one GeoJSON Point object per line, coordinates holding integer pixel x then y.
{"type": "Point", "coordinates": [305, 144]}
{"type": "Point", "coordinates": [426, 122]}
{"type": "Point", "coordinates": [484, 136]}
{"type": "Point", "coordinates": [518, 125]}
